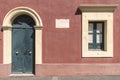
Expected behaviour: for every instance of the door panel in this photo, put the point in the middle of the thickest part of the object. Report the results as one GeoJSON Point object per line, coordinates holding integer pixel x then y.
{"type": "Point", "coordinates": [22, 48]}
{"type": "Point", "coordinates": [17, 57]}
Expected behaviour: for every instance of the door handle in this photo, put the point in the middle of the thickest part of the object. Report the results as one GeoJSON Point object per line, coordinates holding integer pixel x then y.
{"type": "Point", "coordinates": [30, 52]}
{"type": "Point", "coordinates": [16, 52]}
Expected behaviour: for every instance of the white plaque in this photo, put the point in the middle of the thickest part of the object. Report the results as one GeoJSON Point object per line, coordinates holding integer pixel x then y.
{"type": "Point", "coordinates": [62, 23]}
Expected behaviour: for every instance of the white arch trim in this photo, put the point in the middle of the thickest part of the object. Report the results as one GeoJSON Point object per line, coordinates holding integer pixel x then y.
{"type": "Point", "coordinates": [21, 10]}
{"type": "Point", "coordinates": [7, 33]}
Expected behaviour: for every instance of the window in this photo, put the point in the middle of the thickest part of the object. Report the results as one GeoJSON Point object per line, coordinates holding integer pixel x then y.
{"type": "Point", "coordinates": [96, 36]}
{"type": "Point", "coordinates": [97, 30]}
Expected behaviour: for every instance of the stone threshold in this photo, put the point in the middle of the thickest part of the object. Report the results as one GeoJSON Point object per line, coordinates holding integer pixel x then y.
{"type": "Point", "coordinates": [22, 75]}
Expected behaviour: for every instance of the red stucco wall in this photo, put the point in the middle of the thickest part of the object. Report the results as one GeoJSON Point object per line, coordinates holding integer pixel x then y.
{"type": "Point", "coordinates": [63, 45]}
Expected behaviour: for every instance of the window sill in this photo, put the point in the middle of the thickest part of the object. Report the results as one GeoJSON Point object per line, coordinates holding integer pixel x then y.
{"type": "Point", "coordinates": [97, 53]}
{"type": "Point", "coordinates": [95, 50]}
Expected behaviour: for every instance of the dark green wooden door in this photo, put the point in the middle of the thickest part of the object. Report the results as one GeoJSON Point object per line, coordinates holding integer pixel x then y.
{"type": "Point", "coordinates": [23, 45]}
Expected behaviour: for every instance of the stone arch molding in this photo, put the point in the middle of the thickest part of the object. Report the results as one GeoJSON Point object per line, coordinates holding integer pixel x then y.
{"type": "Point", "coordinates": [11, 15]}
{"type": "Point", "coordinates": [7, 33]}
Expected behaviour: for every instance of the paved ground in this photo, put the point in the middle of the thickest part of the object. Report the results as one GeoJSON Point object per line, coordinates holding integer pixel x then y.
{"type": "Point", "coordinates": [65, 78]}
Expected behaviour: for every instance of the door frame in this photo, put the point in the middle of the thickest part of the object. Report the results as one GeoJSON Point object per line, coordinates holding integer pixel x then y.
{"type": "Point", "coordinates": [7, 33]}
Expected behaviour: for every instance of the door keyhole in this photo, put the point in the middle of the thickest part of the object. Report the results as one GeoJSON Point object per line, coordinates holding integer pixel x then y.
{"type": "Point", "coordinates": [25, 53]}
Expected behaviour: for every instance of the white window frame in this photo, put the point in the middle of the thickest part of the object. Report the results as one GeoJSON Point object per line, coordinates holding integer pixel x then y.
{"type": "Point", "coordinates": [98, 13]}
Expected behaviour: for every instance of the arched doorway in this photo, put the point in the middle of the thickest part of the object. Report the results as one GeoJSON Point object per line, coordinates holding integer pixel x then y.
{"type": "Point", "coordinates": [10, 24]}
{"type": "Point", "coordinates": [23, 45]}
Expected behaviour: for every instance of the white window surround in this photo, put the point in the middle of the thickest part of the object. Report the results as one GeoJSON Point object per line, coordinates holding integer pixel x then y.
{"type": "Point", "coordinates": [7, 33]}
{"type": "Point", "coordinates": [98, 12]}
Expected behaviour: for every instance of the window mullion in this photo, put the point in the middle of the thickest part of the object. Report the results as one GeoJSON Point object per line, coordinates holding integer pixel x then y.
{"type": "Point", "coordinates": [94, 35]}
{"type": "Point", "coordinates": [103, 35]}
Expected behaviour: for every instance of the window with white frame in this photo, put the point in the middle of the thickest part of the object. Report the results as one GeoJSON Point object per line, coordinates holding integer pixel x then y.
{"type": "Point", "coordinates": [97, 30]}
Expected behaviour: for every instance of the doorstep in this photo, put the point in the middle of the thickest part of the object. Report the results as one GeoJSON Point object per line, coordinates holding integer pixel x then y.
{"type": "Point", "coordinates": [28, 75]}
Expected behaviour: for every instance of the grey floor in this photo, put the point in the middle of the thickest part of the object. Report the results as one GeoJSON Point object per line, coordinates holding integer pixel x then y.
{"type": "Point", "coordinates": [65, 78]}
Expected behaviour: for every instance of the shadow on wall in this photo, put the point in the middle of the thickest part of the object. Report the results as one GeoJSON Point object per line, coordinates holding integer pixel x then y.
{"type": "Point", "coordinates": [78, 12]}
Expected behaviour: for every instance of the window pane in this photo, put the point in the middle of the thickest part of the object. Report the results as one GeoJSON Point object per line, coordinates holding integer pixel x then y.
{"type": "Point", "coordinates": [99, 27]}
{"type": "Point", "coordinates": [90, 28]}
{"type": "Point", "coordinates": [100, 46]}
{"type": "Point", "coordinates": [99, 38]}
{"type": "Point", "coordinates": [90, 40]}
{"type": "Point", "coordinates": [91, 46]}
